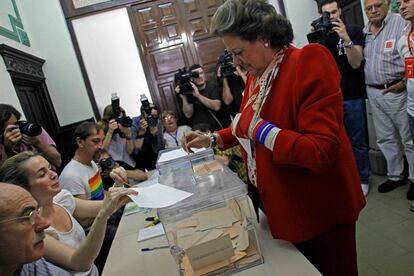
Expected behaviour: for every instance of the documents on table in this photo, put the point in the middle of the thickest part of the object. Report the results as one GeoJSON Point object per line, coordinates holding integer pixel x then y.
{"type": "Point", "coordinates": [175, 154]}
{"type": "Point", "coordinates": [214, 239]}
{"type": "Point", "coordinates": [151, 232]}
{"type": "Point", "coordinates": [158, 196]}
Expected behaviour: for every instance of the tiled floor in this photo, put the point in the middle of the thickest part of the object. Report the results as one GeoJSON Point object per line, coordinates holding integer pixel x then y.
{"type": "Point", "coordinates": [385, 233]}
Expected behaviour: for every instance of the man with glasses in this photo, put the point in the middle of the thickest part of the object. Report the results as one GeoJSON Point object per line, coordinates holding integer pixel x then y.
{"type": "Point", "coordinates": [21, 235]}
{"type": "Point", "coordinates": [386, 91]}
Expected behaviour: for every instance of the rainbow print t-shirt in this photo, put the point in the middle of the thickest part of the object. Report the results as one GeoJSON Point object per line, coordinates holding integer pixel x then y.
{"type": "Point", "coordinates": [96, 187]}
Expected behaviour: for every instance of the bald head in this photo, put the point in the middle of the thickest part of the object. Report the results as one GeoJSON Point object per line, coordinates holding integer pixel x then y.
{"type": "Point", "coordinates": [11, 198]}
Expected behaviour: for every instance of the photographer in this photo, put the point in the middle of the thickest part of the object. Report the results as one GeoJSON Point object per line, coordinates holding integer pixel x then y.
{"type": "Point", "coordinates": [203, 103]}
{"type": "Point", "coordinates": [18, 136]}
{"type": "Point", "coordinates": [147, 132]}
{"type": "Point", "coordinates": [118, 135]}
{"type": "Point", "coordinates": [106, 164]}
{"type": "Point", "coordinates": [232, 80]}
{"type": "Point", "coordinates": [346, 45]}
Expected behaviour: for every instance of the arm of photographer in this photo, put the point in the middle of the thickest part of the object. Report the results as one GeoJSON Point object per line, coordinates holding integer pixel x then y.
{"type": "Point", "coordinates": [188, 109]}
{"type": "Point", "coordinates": [209, 103]}
{"type": "Point", "coordinates": [354, 52]}
{"type": "Point", "coordinates": [44, 145]}
{"type": "Point", "coordinates": [112, 126]}
{"type": "Point", "coordinates": [81, 258]}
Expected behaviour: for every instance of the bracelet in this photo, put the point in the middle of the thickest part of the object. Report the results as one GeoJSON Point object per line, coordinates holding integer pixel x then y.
{"type": "Point", "coordinates": [213, 140]}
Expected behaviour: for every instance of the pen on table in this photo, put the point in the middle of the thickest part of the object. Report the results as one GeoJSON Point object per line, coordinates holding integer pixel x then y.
{"type": "Point", "coordinates": [151, 219]}
{"type": "Point", "coordinates": [152, 223]}
{"type": "Point", "coordinates": [154, 248]}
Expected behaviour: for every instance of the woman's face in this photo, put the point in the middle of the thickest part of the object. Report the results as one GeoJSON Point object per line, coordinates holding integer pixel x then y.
{"type": "Point", "coordinates": [251, 55]}
{"type": "Point", "coordinates": [170, 123]}
{"type": "Point", "coordinates": [44, 183]}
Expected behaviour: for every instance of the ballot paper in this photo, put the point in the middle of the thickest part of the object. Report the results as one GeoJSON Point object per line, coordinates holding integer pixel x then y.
{"type": "Point", "coordinates": [151, 232]}
{"type": "Point", "coordinates": [174, 154]}
{"type": "Point", "coordinates": [158, 196]}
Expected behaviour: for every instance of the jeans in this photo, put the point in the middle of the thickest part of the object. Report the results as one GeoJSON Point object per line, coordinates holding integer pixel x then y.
{"type": "Point", "coordinates": [356, 128]}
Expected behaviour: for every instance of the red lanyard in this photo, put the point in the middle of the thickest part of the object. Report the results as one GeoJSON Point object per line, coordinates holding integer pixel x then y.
{"type": "Point", "coordinates": [409, 41]}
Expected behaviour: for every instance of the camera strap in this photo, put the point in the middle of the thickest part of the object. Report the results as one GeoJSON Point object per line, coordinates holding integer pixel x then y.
{"type": "Point", "coordinates": [215, 118]}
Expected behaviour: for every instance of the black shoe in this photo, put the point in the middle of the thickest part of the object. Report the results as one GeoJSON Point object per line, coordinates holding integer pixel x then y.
{"type": "Point", "coordinates": [410, 193]}
{"type": "Point", "coordinates": [390, 185]}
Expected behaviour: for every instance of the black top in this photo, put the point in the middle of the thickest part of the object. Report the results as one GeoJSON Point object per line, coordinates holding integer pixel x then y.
{"type": "Point", "coordinates": [236, 85]}
{"type": "Point", "coordinates": [204, 115]}
{"type": "Point", "coordinates": [353, 80]}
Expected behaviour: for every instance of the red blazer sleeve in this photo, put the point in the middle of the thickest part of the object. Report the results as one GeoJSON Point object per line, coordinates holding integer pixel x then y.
{"type": "Point", "coordinates": [314, 140]}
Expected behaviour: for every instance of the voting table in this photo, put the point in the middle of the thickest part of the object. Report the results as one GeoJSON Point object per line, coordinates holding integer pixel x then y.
{"type": "Point", "coordinates": [211, 231]}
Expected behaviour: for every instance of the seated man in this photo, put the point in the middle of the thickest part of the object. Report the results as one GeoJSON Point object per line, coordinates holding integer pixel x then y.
{"type": "Point", "coordinates": [172, 133]}
{"type": "Point", "coordinates": [13, 141]}
{"type": "Point", "coordinates": [21, 235]}
{"type": "Point", "coordinates": [106, 164]}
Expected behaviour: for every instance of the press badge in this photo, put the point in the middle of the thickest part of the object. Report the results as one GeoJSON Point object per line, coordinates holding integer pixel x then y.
{"type": "Point", "coordinates": [389, 45]}
{"type": "Point", "coordinates": [409, 67]}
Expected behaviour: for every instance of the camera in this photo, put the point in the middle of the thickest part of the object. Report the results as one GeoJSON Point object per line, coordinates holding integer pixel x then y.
{"type": "Point", "coordinates": [30, 129]}
{"type": "Point", "coordinates": [226, 64]}
{"type": "Point", "coordinates": [183, 78]}
{"type": "Point", "coordinates": [323, 26]}
{"type": "Point", "coordinates": [107, 164]}
{"type": "Point", "coordinates": [120, 118]}
{"type": "Point", "coordinates": [146, 107]}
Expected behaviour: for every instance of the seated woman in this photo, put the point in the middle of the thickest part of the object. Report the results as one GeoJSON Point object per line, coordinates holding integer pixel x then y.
{"type": "Point", "coordinates": [66, 245]}
{"type": "Point", "coordinates": [118, 136]}
{"type": "Point", "coordinates": [172, 133]}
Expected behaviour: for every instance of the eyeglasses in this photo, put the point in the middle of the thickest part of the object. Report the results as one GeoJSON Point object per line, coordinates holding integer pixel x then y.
{"type": "Point", "coordinates": [32, 216]}
{"type": "Point", "coordinates": [169, 117]}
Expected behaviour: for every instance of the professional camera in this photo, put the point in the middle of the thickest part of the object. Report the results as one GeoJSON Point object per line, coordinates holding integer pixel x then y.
{"type": "Point", "coordinates": [146, 107]}
{"type": "Point", "coordinates": [120, 118]}
{"type": "Point", "coordinates": [226, 64]}
{"type": "Point", "coordinates": [107, 164]}
{"type": "Point", "coordinates": [183, 78]}
{"type": "Point", "coordinates": [322, 26]}
{"type": "Point", "coordinates": [30, 129]}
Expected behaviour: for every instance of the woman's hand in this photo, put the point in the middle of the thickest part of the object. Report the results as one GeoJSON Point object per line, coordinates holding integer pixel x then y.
{"type": "Point", "coordinates": [116, 198]}
{"type": "Point", "coordinates": [112, 125]}
{"type": "Point", "coordinates": [119, 175]}
{"type": "Point", "coordinates": [194, 139]}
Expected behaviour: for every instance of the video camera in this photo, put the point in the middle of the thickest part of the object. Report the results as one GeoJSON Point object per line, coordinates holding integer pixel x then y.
{"type": "Point", "coordinates": [183, 78]}
{"type": "Point", "coordinates": [146, 107]}
{"type": "Point", "coordinates": [323, 26]}
{"type": "Point", "coordinates": [120, 118]}
{"type": "Point", "coordinates": [226, 64]}
{"type": "Point", "coordinates": [29, 129]}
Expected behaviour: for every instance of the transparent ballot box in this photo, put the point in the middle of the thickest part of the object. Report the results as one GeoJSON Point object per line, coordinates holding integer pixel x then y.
{"type": "Point", "coordinates": [211, 232]}
{"type": "Point", "coordinates": [171, 160]}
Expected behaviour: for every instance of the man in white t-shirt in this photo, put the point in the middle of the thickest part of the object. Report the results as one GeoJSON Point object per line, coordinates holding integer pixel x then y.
{"type": "Point", "coordinates": [81, 175]}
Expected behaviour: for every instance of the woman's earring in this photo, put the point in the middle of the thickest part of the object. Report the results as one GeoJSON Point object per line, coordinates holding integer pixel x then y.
{"type": "Point", "coordinates": [266, 44]}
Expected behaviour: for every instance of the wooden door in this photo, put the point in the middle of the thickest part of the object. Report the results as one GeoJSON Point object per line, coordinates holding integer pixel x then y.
{"type": "Point", "coordinates": [171, 34]}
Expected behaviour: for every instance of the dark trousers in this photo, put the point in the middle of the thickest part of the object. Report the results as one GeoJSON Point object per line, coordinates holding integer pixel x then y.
{"type": "Point", "coordinates": [332, 252]}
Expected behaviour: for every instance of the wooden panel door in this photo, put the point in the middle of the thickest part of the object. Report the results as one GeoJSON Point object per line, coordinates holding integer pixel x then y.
{"type": "Point", "coordinates": [171, 34]}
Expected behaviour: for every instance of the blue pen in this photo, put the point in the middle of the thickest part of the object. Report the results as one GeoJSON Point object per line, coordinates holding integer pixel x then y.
{"type": "Point", "coordinates": [154, 248]}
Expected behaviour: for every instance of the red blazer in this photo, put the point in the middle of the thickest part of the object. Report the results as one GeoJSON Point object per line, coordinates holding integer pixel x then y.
{"type": "Point", "coordinates": [310, 181]}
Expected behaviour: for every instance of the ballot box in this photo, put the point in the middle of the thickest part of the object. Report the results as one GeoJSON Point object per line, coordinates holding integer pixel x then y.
{"type": "Point", "coordinates": [211, 232]}
{"type": "Point", "coordinates": [171, 160]}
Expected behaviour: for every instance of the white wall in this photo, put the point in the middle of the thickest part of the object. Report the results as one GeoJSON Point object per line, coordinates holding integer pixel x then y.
{"type": "Point", "coordinates": [112, 59]}
{"type": "Point", "coordinates": [45, 25]}
{"type": "Point", "coordinates": [300, 13]}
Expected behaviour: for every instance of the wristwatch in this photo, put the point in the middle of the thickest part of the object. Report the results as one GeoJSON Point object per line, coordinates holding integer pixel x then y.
{"type": "Point", "coordinates": [349, 44]}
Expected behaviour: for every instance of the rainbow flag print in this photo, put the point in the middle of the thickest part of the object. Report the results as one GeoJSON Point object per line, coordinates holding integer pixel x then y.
{"type": "Point", "coordinates": [96, 187]}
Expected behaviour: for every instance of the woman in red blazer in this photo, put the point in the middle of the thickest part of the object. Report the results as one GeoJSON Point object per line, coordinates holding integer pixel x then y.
{"type": "Point", "coordinates": [296, 149]}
